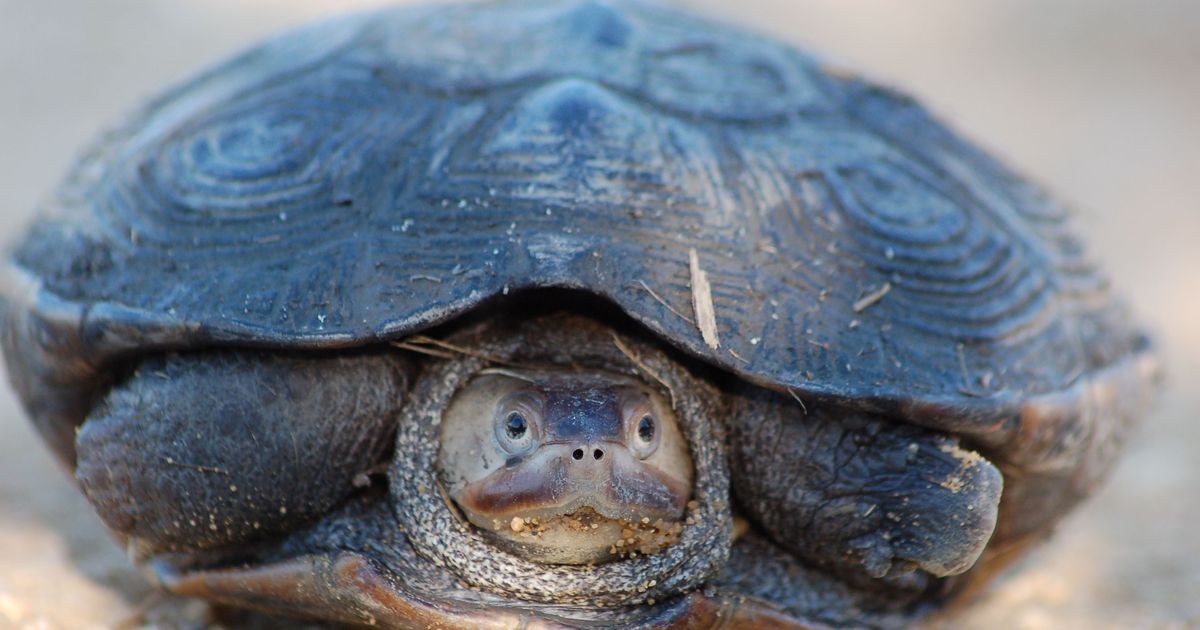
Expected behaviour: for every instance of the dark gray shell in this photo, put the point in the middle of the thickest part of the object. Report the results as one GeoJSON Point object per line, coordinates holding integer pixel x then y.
{"type": "Point", "coordinates": [363, 179]}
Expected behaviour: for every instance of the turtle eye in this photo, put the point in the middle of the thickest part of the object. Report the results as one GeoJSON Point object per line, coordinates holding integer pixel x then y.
{"type": "Point", "coordinates": [516, 424]}
{"type": "Point", "coordinates": [645, 429]}
{"type": "Point", "coordinates": [642, 425]}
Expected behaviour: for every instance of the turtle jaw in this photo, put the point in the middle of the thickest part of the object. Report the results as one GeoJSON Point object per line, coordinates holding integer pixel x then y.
{"type": "Point", "coordinates": [560, 479]}
{"type": "Point", "coordinates": [577, 504]}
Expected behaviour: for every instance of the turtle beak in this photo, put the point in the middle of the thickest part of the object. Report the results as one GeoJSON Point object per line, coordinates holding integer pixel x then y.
{"type": "Point", "coordinates": [561, 478]}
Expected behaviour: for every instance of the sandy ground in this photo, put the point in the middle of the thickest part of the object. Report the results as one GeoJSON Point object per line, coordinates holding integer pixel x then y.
{"type": "Point", "coordinates": [1099, 98]}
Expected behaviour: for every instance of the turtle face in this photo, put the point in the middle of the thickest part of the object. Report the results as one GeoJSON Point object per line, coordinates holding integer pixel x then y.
{"type": "Point", "coordinates": [566, 467]}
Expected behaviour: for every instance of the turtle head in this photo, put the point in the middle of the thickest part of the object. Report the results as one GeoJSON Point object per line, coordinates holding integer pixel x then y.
{"type": "Point", "coordinates": [566, 467]}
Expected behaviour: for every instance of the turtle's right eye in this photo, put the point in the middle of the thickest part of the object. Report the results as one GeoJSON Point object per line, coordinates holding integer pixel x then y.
{"type": "Point", "coordinates": [517, 422]}
{"type": "Point", "coordinates": [516, 425]}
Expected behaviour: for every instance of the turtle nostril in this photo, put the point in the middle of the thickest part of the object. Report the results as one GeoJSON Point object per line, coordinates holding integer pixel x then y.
{"type": "Point", "coordinates": [578, 454]}
{"type": "Point", "coordinates": [597, 454]}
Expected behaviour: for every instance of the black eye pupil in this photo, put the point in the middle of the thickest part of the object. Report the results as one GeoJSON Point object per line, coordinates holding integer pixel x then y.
{"type": "Point", "coordinates": [646, 429]}
{"type": "Point", "coordinates": [515, 426]}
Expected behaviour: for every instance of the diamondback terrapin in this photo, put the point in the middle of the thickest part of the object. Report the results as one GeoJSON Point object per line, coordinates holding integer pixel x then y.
{"type": "Point", "coordinates": [563, 313]}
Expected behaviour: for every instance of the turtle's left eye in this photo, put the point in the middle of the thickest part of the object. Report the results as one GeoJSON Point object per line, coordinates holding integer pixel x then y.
{"type": "Point", "coordinates": [645, 429]}
{"type": "Point", "coordinates": [642, 431]}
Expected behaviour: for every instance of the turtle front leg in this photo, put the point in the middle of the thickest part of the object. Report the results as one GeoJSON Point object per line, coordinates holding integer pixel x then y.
{"type": "Point", "coordinates": [196, 451]}
{"type": "Point", "coordinates": [857, 494]}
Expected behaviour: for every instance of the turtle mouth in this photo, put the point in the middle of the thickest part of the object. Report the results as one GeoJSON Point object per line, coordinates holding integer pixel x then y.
{"type": "Point", "coordinates": [584, 536]}
{"type": "Point", "coordinates": [575, 504]}
{"type": "Point", "coordinates": [561, 479]}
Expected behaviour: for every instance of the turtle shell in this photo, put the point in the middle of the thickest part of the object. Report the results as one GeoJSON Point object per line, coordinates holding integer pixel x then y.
{"type": "Point", "coordinates": [366, 178]}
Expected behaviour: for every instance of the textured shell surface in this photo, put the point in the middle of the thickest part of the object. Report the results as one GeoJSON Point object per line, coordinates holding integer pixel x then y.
{"type": "Point", "coordinates": [364, 178]}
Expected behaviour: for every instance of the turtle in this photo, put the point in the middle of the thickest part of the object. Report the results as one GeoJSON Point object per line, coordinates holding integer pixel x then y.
{"type": "Point", "coordinates": [564, 313]}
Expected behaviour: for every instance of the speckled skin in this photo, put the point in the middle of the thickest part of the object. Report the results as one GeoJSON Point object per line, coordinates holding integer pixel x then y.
{"type": "Point", "coordinates": [199, 451]}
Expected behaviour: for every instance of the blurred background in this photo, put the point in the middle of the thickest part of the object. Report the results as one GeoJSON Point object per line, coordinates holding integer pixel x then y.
{"type": "Point", "coordinates": [1097, 99]}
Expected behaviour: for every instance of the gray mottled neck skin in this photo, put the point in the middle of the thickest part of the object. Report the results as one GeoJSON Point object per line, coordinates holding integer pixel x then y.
{"type": "Point", "coordinates": [442, 534]}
